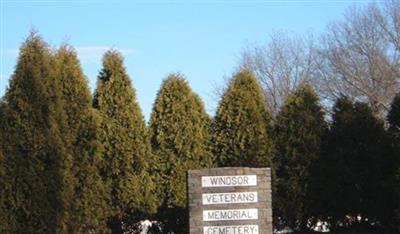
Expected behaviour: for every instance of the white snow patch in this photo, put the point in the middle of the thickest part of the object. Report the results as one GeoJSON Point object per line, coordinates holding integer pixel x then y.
{"type": "Point", "coordinates": [145, 225]}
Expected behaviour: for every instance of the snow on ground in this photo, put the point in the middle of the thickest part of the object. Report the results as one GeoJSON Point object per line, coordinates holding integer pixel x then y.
{"type": "Point", "coordinates": [145, 225]}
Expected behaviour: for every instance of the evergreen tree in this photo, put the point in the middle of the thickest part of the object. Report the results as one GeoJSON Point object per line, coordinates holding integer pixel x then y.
{"type": "Point", "coordinates": [241, 134]}
{"type": "Point", "coordinates": [394, 135]}
{"type": "Point", "coordinates": [83, 189]}
{"type": "Point", "coordinates": [394, 115]}
{"type": "Point", "coordinates": [180, 139]}
{"type": "Point", "coordinates": [35, 149]}
{"type": "Point", "coordinates": [7, 222]}
{"type": "Point", "coordinates": [127, 147]}
{"type": "Point", "coordinates": [298, 130]}
{"type": "Point", "coordinates": [354, 167]}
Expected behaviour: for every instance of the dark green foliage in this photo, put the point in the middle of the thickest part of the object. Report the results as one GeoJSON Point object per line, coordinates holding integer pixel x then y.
{"type": "Point", "coordinates": [394, 135]}
{"type": "Point", "coordinates": [241, 127]}
{"type": "Point", "coordinates": [297, 133]}
{"type": "Point", "coordinates": [326, 169]}
{"type": "Point", "coordinates": [6, 216]}
{"type": "Point", "coordinates": [83, 189]}
{"type": "Point", "coordinates": [35, 148]}
{"type": "Point", "coordinates": [50, 145]}
{"type": "Point", "coordinates": [3, 195]}
{"type": "Point", "coordinates": [3, 181]}
{"type": "Point", "coordinates": [7, 204]}
{"type": "Point", "coordinates": [394, 116]}
{"type": "Point", "coordinates": [127, 148]}
{"type": "Point", "coordinates": [354, 169]}
{"type": "Point", "coordinates": [180, 139]}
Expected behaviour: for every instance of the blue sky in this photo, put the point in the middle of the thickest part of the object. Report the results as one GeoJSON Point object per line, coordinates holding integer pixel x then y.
{"type": "Point", "coordinates": [201, 39]}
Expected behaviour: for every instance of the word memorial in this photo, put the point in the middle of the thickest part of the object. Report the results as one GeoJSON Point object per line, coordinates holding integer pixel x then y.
{"type": "Point", "coordinates": [230, 200]}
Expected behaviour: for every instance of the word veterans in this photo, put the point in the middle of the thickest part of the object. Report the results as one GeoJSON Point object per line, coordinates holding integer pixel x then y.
{"type": "Point", "coordinates": [222, 198]}
{"type": "Point", "coordinates": [240, 229]}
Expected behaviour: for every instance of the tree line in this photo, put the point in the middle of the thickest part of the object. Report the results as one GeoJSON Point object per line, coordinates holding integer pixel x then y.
{"type": "Point", "coordinates": [325, 116]}
{"type": "Point", "coordinates": [73, 163]}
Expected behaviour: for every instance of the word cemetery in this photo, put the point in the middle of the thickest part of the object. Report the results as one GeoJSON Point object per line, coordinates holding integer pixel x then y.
{"type": "Point", "coordinates": [231, 200]}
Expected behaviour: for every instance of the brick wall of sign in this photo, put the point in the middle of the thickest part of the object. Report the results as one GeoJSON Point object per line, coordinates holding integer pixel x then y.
{"type": "Point", "coordinates": [230, 200]}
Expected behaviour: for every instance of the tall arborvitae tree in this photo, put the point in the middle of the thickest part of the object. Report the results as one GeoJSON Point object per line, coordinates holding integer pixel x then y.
{"type": "Point", "coordinates": [298, 130]}
{"type": "Point", "coordinates": [36, 156]}
{"type": "Point", "coordinates": [127, 148]}
{"type": "Point", "coordinates": [241, 128]}
{"type": "Point", "coordinates": [7, 220]}
{"type": "Point", "coordinates": [180, 139]}
{"type": "Point", "coordinates": [394, 135]}
{"type": "Point", "coordinates": [83, 187]}
{"type": "Point", "coordinates": [354, 168]}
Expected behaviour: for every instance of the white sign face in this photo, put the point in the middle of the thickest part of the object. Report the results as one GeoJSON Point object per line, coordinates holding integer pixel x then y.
{"type": "Point", "coordinates": [234, 214]}
{"type": "Point", "coordinates": [229, 181]}
{"type": "Point", "coordinates": [228, 198]}
{"type": "Point", "coordinates": [239, 229]}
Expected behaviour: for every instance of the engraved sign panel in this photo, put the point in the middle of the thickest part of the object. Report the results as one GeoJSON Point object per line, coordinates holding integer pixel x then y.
{"type": "Point", "coordinates": [234, 214]}
{"type": "Point", "coordinates": [229, 198]}
{"type": "Point", "coordinates": [229, 181]}
{"type": "Point", "coordinates": [238, 229]}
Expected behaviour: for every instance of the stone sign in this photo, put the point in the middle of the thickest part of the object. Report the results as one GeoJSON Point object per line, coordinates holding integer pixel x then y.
{"type": "Point", "coordinates": [230, 200]}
